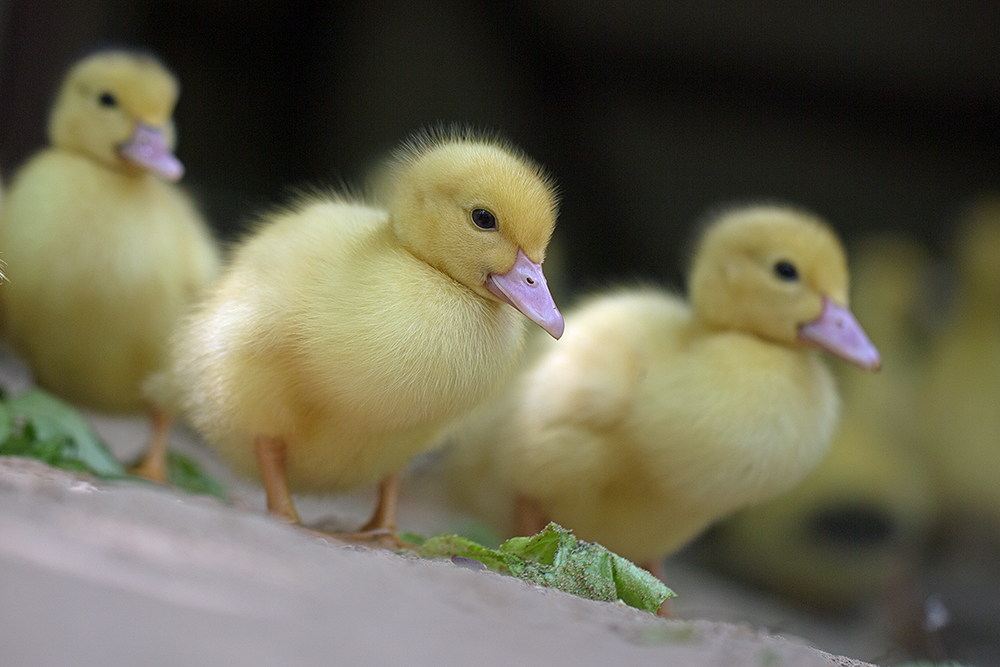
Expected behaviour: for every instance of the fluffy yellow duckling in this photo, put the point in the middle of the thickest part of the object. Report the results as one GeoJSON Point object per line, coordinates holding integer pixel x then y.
{"type": "Point", "coordinates": [847, 531]}
{"type": "Point", "coordinates": [960, 399]}
{"type": "Point", "coordinates": [103, 253]}
{"type": "Point", "coordinates": [655, 416]}
{"type": "Point", "coordinates": [343, 335]}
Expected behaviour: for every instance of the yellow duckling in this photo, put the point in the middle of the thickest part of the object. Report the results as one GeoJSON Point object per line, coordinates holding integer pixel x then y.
{"type": "Point", "coordinates": [343, 334]}
{"type": "Point", "coordinates": [654, 417]}
{"type": "Point", "coordinates": [960, 399]}
{"type": "Point", "coordinates": [103, 254]}
{"type": "Point", "coordinates": [845, 534]}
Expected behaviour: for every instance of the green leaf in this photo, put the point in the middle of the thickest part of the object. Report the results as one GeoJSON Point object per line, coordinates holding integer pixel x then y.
{"type": "Point", "coordinates": [185, 473]}
{"type": "Point", "coordinates": [446, 546]}
{"type": "Point", "coordinates": [50, 419]}
{"type": "Point", "coordinates": [6, 422]}
{"type": "Point", "coordinates": [543, 548]}
{"type": "Point", "coordinates": [636, 586]}
{"type": "Point", "coordinates": [412, 538]}
{"type": "Point", "coordinates": [555, 558]}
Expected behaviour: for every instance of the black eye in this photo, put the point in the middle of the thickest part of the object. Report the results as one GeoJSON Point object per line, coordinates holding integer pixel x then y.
{"type": "Point", "coordinates": [484, 219]}
{"type": "Point", "coordinates": [786, 271]}
{"type": "Point", "coordinates": [107, 100]}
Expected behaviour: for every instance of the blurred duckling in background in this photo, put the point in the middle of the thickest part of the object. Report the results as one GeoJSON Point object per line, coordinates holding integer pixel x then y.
{"type": "Point", "coordinates": [104, 252]}
{"type": "Point", "coordinates": [343, 334]}
{"type": "Point", "coordinates": [852, 528]}
{"type": "Point", "coordinates": [960, 398]}
{"type": "Point", "coordinates": [656, 416]}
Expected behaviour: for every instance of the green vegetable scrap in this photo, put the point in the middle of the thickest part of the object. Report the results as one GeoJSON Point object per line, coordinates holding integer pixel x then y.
{"type": "Point", "coordinates": [186, 474]}
{"type": "Point", "coordinates": [555, 558]}
{"type": "Point", "coordinates": [38, 425]}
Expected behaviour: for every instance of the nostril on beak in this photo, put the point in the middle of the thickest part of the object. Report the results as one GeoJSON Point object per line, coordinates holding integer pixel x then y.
{"type": "Point", "coordinates": [529, 280]}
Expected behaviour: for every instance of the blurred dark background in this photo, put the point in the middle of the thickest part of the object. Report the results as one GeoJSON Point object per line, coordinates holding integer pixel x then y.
{"type": "Point", "coordinates": [882, 117]}
{"type": "Point", "coordinates": [879, 116]}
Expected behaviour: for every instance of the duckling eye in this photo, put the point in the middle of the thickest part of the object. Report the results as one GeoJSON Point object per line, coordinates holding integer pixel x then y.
{"type": "Point", "coordinates": [786, 271]}
{"type": "Point", "coordinates": [107, 100]}
{"type": "Point", "coordinates": [484, 219]}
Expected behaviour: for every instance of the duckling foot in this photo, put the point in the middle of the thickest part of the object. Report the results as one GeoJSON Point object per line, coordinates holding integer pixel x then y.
{"type": "Point", "coordinates": [153, 465]}
{"type": "Point", "coordinates": [385, 537]}
{"type": "Point", "coordinates": [271, 461]}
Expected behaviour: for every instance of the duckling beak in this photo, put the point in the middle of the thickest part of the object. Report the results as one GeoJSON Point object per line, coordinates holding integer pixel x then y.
{"type": "Point", "coordinates": [837, 332]}
{"type": "Point", "coordinates": [524, 287]}
{"type": "Point", "coordinates": [148, 150]}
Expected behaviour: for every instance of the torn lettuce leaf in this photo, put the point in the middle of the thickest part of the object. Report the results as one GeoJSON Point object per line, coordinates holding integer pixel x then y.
{"type": "Point", "coordinates": [39, 425]}
{"type": "Point", "coordinates": [36, 424]}
{"type": "Point", "coordinates": [557, 559]}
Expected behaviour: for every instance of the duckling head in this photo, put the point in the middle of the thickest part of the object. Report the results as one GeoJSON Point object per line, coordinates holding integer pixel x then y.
{"type": "Point", "coordinates": [481, 212]}
{"type": "Point", "coordinates": [780, 274]}
{"type": "Point", "coordinates": [116, 107]}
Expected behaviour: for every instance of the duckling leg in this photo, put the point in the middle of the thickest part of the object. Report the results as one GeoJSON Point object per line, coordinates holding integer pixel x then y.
{"type": "Point", "coordinates": [384, 517]}
{"type": "Point", "coordinates": [382, 524]}
{"type": "Point", "coordinates": [271, 460]}
{"type": "Point", "coordinates": [529, 517]}
{"type": "Point", "coordinates": [154, 462]}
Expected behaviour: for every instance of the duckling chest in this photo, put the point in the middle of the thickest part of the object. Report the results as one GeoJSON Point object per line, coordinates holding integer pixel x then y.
{"type": "Point", "coordinates": [411, 360]}
{"type": "Point", "coordinates": [750, 416]}
{"type": "Point", "coordinates": [129, 226]}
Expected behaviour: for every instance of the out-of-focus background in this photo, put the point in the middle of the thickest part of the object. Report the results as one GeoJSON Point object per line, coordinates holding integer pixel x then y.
{"type": "Point", "coordinates": [882, 117]}
{"type": "Point", "coordinates": [877, 116]}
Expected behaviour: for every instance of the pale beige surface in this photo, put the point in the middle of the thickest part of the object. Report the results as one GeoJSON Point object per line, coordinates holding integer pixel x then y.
{"type": "Point", "coordinates": [130, 574]}
{"type": "Point", "coordinates": [133, 575]}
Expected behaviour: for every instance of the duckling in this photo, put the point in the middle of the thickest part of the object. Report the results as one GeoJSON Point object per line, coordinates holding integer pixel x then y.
{"type": "Point", "coordinates": [959, 398]}
{"type": "Point", "coordinates": [656, 416]}
{"type": "Point", "coordinates": [104, 251]}
{"type": "Point", "coordinates": [344, 333]}
{"type": "Point", "coordinates": [843, 535]}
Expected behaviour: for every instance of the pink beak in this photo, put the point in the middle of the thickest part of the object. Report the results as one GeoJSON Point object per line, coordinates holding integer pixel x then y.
{"type": "Point", "coordinates": [837, 332]}
{"type": "Point", "coordinates": [524, 287]}
{"type": "Point", "coordinates": [148, 150]}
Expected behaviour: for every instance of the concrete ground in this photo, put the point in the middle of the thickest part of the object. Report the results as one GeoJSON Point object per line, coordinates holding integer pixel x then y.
{"type": "Point", "coordinates": [127, 574]}
{"type": "Point", "coordinates": [95, 573]}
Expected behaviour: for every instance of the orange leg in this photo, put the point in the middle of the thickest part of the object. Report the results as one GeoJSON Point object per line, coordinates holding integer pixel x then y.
{"type": "Point", "coordinates": [529, 517]}
{"type": "Point", "coordinates": [382, 524]}
{"type": "Point", "coordinates": [154, 462]}
{"type": "Point", "coordinates": [384, 516]}
{"type": "Point", "coordinates": [271, 459]}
